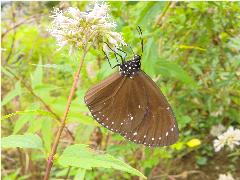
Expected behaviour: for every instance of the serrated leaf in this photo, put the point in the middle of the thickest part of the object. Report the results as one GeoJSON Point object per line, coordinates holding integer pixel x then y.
{"type": "Point", "coordinates": [80, 155]}
{"type": "Point", "coordinates": [12, 94]}
{"type": "Point", "coordinates": [32, 141]}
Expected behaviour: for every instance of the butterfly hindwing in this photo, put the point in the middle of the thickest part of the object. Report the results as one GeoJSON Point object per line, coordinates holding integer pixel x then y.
{"type": "Point", "coordinates": [135, 108]}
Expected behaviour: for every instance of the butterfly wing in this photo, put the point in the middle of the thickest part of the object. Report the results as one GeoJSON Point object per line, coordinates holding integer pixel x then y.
{"type": "Point", "coordinates": [158, 127]}
{"type": "Point", "coordinates": [135, 108]}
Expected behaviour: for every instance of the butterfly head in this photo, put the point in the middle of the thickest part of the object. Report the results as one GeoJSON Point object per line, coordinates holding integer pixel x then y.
{"type": "Point", "coordinates": [131, 67]}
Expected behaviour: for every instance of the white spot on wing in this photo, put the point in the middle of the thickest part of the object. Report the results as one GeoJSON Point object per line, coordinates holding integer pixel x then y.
{"type": "Point", "coordinates": [135, 133]}
{"type": "Point", "coordinates": [167, 133]}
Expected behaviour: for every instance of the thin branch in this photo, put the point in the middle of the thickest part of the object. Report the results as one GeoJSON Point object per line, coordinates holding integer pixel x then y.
{"type": "Point", "coordinates": [21, 160]}
{"type": "Point", "coordinates": [19, 24]}
{"type": "Point", "coordinates": [13, 38]}
{"type": "Point", "coordinates": [63, 122]}
{"type": "Point", "coordinates": [68, 171]}
{"type": "Point", "coordinates": [47, 107]}
{"type": "Point", "coordinates": [160, 17]}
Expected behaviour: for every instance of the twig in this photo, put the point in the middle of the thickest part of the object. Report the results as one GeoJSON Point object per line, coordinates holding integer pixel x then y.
{"type": "Point", "coordinates": [182, 175]}
{"type": "Point", "coordinates": [63, 122]}
{"type": "Point", "coordinates": [13, 38]}
{"type": "Point", "coordinates": [106, 141]}
{"type": "Point", "coordinates": [21, 160]}
{"type": "Point", "coordinates": [29, 88]}
{"type": "Point", "coordinates": [69, 169]}
{"type": "Point", "coordinates": [160, 17]}
{"type": "Point", "coordinates": [19, 24]}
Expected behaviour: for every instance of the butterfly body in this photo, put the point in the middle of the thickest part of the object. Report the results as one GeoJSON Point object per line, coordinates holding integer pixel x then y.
{"type": "Point", "coordinates": [129, 68]}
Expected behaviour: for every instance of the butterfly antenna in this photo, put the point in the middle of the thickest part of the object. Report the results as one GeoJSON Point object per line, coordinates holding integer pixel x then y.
{"type": "Point", "coordinates": [140, 34]}
{"type": "Point", "coordinates": [115, 52]}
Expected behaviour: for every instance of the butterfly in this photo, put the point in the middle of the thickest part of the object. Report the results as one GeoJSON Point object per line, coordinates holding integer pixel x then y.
{"type": "Point", "coordinates": [130, 103]}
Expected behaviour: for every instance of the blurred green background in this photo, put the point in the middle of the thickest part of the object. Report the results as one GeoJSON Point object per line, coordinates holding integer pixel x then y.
{"type": "Point", "coordinates": [191, 50]}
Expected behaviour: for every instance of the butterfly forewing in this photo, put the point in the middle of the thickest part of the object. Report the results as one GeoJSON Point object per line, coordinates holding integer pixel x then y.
{"type": "Point", "coordinates": [112, 106]}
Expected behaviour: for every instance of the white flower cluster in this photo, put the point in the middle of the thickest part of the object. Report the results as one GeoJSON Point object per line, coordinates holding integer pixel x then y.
{"type": "Point", "coordinates": [75, 28]}
{"type": "Point", "coordinates": [225, 177]}
{"type": "Point", "coordinates": [231, 138]}
{"type": "Point", "coordinates": [217, 130]}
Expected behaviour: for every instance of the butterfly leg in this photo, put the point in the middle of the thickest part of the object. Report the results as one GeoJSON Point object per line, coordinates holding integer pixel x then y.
{"type": "Point", "coordinates": [109, 60]}
{"type": "Point", "coordinates": [115, 52]}
{"type": "Point", "coordinates": [125, 54]}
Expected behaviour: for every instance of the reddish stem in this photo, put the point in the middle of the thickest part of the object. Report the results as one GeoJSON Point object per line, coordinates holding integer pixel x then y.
{"type": "Point", "coordinates": [63, 121]}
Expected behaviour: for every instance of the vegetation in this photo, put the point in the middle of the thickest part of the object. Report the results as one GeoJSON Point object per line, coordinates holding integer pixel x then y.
{"type": "Point", "coordinates": [191, 50]}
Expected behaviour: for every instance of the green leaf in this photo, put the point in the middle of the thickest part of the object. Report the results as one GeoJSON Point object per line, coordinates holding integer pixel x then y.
{"type": "Point", "coordinates": [167, 68]}
{"type": "Point", "coordinates": [6, 72]}
{"type": "Point", "coordinates": [150, 57]}
{"type": "Point", "coordinates": [79, 155]}
{"type": "Point", "coordinates": [32, 141]}
{"type": "Point", "coordinates": [25, 117]}
{"type": "Point", "coordinates": [47, 133]}
{"type": "Point", "coordinates": [200, 160]}
{"type": "Point", "coordinates": [12, 94]}
{"type": "Point", "coordinates": [80, 174]}
{"type": "Point", "coordinates": [22, 120]}
{"type": "Point", "coordinates": [149, 12]}
{"type": "Point", "coordinates": [35, 124]}
{"type": "Point", "coordinates": [183, 121]}
{"type": "Point", "coordinates": [37, 75]}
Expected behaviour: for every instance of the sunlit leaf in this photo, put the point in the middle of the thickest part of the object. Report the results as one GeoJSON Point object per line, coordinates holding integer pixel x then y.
{"type": "Point", "coordinates": [47, 133]}
{"type": "Point", "coordinates": [37, 76]}
{"type": "Point", "coordinates": [171, 69]}
{"type": "Point", "coordinates": [80, 174]}
{"type": "Point", "coordinates": [32, 141]}
{"type": "Point", "coordinates": [12, 94]}
{"type": "Point", "coordinates": [79, 155]}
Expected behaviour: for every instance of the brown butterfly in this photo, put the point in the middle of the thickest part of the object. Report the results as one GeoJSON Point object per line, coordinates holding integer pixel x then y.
{"type": "Point", "coordinates": [130, 103]}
